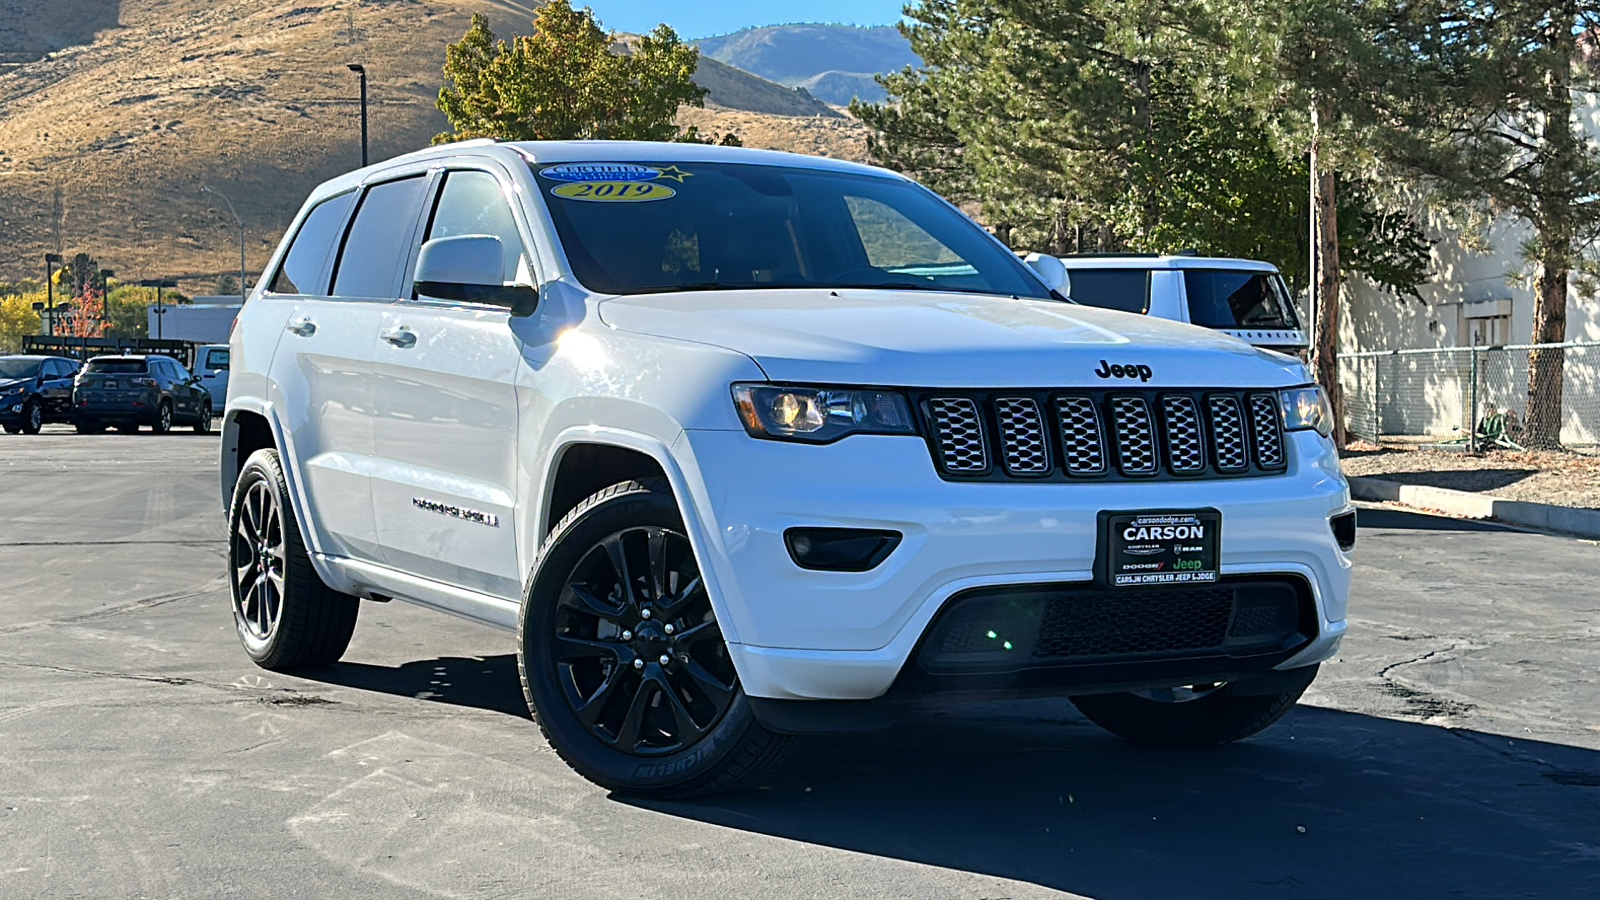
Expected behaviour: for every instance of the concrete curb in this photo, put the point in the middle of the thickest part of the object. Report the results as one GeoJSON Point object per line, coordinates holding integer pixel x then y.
{"type": "Point", "coordinates": [1583, 522]}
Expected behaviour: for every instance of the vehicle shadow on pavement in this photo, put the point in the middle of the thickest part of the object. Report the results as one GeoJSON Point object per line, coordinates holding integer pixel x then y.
{"type": "Point", "coordinates": [1326, 804]}
{"type": "Point", "coordinates": [490, 683]}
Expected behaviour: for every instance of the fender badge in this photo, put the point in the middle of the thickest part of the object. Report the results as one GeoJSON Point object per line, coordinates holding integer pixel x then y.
{"type": "Point", "coordinates": [456, 512]}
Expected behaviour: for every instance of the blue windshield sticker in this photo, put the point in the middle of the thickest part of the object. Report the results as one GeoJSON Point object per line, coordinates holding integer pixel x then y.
{"type": "Point", "coordinates": [600, 172]}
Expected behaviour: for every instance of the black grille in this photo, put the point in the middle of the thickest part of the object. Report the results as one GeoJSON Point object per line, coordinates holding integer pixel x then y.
{"type": "Point", "coordinates": [1006, 629]}
{"type": "Point", "coordinates": [1071, 435]}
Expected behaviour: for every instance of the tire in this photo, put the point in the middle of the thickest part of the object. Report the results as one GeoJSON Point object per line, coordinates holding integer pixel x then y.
{"type": "Point", "coordinates": [202, 424]}
{"type": "Point", "coordinates": [1193, 718]}
{"type": "Point", "coordinates": [89, 427]}
{"type": "Point", "coordinates": [13, 429]}
{"type": "Point", "coordinates": [32, 417]}
{"type": "Point", "coordinates": [162, 423]}
{"type": "Point", "coordinates": [286, 617]}
{"type": "Point", "coordinates": [647, 729]}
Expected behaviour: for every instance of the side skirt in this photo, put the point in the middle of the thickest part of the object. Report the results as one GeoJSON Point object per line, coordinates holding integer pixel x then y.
{"type": "Point", "coordinates": [371, 581]}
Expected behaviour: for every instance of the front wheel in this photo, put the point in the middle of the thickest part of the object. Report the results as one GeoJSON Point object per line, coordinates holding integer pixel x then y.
{"type": "Point", "coordinates": [1202, 715]}
{"type": "Point", "coordinates": [622, 660]}
{"type": "Point", "coordinates": [286, 617]}
{"type": "Point", "coordinates": [32, 417]}
{"type": "Point", "coordinates": [163, 420]}
{"type": "Point", "coordinates": [202, 425]}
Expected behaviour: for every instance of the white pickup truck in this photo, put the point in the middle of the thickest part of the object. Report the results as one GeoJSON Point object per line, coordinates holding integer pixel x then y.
{"type": "Point", "coordinates": [745, 444]}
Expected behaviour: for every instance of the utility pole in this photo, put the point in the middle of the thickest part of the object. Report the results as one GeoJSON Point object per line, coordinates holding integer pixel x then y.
{"type": "Point", "coordinates": [361, 71]}
{"type": "Point", "coordinates": [241, 236]}
{"type": "Point", "coordinates": [50, 293]}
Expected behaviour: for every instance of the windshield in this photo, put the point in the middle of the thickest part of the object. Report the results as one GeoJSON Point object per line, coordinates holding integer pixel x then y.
{"type": "Point", "coordinates": [645, 228]}
{"type": "Point", "coordinates": [1230, 299]}
{"type": "Point", "coordinates": [18, 368]}
{"type": "Point", "coordinates": [117, 366]}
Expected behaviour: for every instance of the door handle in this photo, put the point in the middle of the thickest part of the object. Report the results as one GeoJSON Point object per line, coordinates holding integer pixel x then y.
{"type": "Point", "coordinates": [400, 336]}
{"type": "Point", "coordinates": [303, 327]}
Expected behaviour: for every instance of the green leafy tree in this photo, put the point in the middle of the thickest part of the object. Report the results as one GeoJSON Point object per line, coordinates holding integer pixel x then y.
{"type": "Point", "coordinates": [568, 80]}
{"type": "Point", "coordinates": [18, 319]}
{"type": "Point", "coordinates": [1491, 114]}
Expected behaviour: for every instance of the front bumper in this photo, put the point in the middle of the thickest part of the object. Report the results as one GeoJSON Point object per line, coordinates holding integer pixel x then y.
{"type": "Point", "coordinates": [801, 634]}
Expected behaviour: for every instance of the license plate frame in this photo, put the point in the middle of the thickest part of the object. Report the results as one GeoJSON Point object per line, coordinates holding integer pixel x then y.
{"type": "Point", "coordinates": [1146, 548]}
{"type": "Point", "coordinates": [110, 384]}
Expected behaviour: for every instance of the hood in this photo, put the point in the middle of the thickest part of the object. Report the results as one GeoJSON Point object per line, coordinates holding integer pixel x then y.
{"type": "Point", "coordinates": [922, 339]}
{"type": "Point", "coordinates": [7, 384]}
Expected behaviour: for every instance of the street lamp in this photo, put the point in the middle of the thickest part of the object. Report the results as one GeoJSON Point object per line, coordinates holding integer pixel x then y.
{"type": "Point", "coordinates": [105, 291]}
{"type": "Point", "coordinates": [158, 284]}
{"type": "Point", "coordinates": [236, 218]}
{"type": "Point", "coordinates": [49, 292]}
{"type": "Point", "coordinates": [361, 71]}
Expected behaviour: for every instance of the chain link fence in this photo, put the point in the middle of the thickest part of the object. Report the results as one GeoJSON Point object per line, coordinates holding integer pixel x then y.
{"type": "Point", "coordinates": [1476, 395]}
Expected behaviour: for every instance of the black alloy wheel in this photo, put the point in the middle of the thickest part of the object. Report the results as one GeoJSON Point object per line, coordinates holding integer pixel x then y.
{"type": "Point", "coordinates": [622, 661]}
{"type": "Point", "coordinates": [257, 557]}
{"type": "Point", "coordinates": [639, 655]}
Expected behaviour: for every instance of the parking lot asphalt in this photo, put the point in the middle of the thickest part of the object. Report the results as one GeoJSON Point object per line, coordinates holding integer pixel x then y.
{"type": "Point", "coordinates": [1452, 750]}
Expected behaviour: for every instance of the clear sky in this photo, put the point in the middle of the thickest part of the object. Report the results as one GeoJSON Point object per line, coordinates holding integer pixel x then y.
{"type": "Point", "coordinates": [704, 18]}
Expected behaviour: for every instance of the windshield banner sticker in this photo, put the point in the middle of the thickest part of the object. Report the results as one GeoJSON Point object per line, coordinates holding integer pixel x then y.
{"type": "Point", "coordinates": [600, 172]}
{"type": "Point", "coordinates": [613, 191]}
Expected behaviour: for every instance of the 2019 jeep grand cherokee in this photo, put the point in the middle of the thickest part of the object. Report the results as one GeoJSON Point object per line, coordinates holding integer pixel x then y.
{"type": "Point", "coordinates": [743, 444]}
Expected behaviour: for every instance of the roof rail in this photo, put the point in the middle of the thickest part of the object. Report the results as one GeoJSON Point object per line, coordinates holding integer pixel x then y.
{"type": "Point", "coordinates": [433, 150]}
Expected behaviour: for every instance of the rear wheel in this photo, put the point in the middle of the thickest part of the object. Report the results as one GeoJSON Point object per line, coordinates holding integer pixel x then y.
{"type": "Point", "coordinates": [622, 660]}
{"type": "Point", "coordinates": [286, 617]}
{"type": "Point", "coordinates": [32, 417]}
{"type": "Point", "coordinates": [1202, 715]}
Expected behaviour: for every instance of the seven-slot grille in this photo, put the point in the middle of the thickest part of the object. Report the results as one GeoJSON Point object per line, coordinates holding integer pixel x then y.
{"type": "Point", "coordinates": [1022, 435]}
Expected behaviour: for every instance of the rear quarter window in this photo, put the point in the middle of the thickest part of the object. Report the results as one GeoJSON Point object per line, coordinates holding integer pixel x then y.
{"type": "Point", "coordinates": [1127, 290]}
{"type": "Point", "coordinates": [305, 266]}
{"type": "Point", "coordinates": [1221, 298]}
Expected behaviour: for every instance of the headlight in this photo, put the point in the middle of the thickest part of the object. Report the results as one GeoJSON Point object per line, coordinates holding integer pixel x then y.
{"type": "Point", "coordinates": [818, 415]}
{"type": "Point", "coordinates": [1307, 408]}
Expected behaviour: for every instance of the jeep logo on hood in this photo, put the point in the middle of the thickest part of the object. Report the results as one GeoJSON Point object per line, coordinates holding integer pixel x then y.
{"type": "Point", "coordinates": [1107, 370]}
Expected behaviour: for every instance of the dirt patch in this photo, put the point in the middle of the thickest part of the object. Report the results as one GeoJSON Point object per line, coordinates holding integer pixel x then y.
{"type": "Point", "coordinates": [1562, 479]}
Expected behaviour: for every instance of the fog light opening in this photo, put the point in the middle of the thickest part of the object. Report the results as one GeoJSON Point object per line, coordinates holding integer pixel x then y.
{"type": "Point", "coordinates": [840, 549]}
{"type": "Point", "coordinates": [1344, 530]}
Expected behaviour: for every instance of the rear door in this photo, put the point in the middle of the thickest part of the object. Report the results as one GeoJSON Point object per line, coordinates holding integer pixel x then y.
{"type": "Point", "coordinates": [445, 392]}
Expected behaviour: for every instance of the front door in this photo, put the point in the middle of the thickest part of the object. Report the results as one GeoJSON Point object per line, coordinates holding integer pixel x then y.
{"type": "Point", "coordinates": [445, 404]}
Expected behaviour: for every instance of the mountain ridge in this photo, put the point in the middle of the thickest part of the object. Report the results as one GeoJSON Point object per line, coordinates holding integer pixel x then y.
{"type": "Point", "coordinates": [834, 63]}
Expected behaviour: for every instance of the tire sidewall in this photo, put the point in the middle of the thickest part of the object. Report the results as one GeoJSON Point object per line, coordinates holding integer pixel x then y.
{"type": "Point", "coordinates": [32, 417]}
{"type": "Point", "coordinates": [583, 750]}
{"type": "Point", "coordinates": [163, 419]}
{"type": "Point", "coordinates": [202, 424]}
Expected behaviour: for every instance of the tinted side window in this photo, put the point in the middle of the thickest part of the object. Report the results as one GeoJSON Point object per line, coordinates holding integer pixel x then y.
{"type": "Point", "coordinates": [1124, 289]}
{"type": "Point", "coordinates": [1223, 299]}
{"type": "Point", "coordinates": [304, 264]}
{"type": "Point", "coordinates": [379, 240]}
{"type": "Point", "coordinates": [179, 371]}
{"type": "Point", "coordinates": [472, 203]}
{"type": "Point", "coordinates": [55, 368]}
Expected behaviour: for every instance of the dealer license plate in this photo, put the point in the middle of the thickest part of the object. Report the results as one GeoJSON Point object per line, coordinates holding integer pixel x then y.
{"type": "Point", "coordinates": [1156, 547]}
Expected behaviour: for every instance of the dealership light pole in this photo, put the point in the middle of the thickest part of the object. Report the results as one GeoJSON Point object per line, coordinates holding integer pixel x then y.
{"type": "Point", "coordinates": [236, 218]}
{"type": "Point", "coordinates": [105, 292]}
{"type": "Point", "coordinates": [361, 71]}
{"type": "Point", "coordinates": [158, 284]}
{"type": "Point", "coordinates": [50, 293]}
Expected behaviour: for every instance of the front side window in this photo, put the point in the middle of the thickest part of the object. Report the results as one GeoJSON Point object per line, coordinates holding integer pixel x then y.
{"type": "Point", "coordinates": [178, 371]}
{"type": "Point", "coordinates": [471, 202]}
{"type": "Point", "coordinates": [1124, 289]}
{"type": "Point", "coordinates": [378, 243]}
{"type": "Point", "coordinates": [1220, 298]}
{"type": "Point", "coordinates": [305, 265]}
{"type": "Point", "coordinates": [631, 228]}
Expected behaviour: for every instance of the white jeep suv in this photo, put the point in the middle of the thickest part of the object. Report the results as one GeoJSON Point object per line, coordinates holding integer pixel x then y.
{"type": "Point", "coordinates": [745, 444]}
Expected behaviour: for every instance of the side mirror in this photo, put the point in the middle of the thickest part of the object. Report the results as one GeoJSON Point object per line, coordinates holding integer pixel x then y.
{"type": "Point", "coordinates": [1052, 271]}
{"type": "Point", "coordinates": [468, 268]}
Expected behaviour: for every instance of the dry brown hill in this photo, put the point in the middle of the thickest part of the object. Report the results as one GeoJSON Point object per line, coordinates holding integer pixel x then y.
{"type": "Point", "coordinates": [106, 140]}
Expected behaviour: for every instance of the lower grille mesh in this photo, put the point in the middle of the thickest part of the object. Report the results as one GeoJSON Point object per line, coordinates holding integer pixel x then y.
{"type": "Point", "coordinates": [1120, 624]}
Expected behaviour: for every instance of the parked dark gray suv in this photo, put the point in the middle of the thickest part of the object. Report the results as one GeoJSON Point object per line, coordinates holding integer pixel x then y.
{"type": "Point", "coordinates": [128, 391]}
